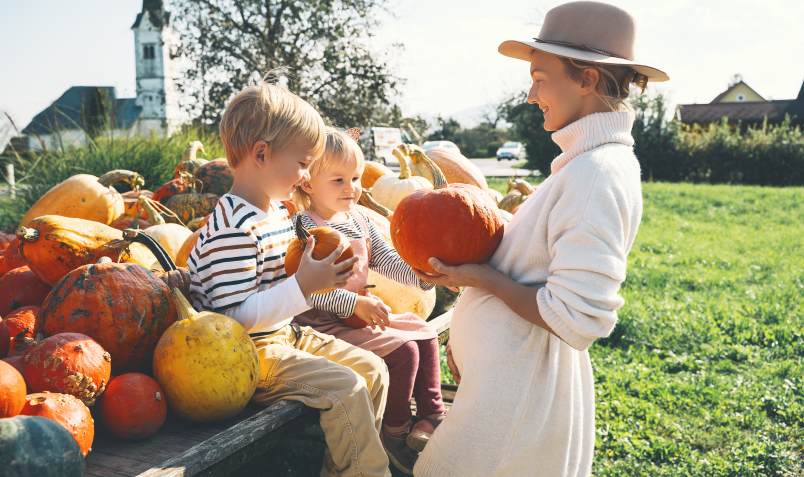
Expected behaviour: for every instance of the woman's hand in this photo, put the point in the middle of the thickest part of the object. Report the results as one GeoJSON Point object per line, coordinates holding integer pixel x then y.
{"type": "Point", "coordinates": [456, 376]}
{"type": "Point", "coordinates": [320, 275]}
{"type": "Point", "coordinates": [373, 311]}
{"type": "Point", "coordinates": [469, 275]}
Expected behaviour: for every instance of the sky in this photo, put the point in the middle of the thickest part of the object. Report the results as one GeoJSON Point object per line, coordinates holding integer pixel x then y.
{"type": "Point", "coordinates": [450, 60]}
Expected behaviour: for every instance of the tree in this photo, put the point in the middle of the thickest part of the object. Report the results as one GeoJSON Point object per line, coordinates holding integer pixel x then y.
{"type": "Point", "coordinates": [528, 127]}
{"type": "Point", "coordinates": [94, 112]}
{"type": "Point", "coordinates": [317, 47]}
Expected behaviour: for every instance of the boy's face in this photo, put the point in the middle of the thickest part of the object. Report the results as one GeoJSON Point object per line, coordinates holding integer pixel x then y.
{"type": "Point", "coordinates": [336, 189]}
{"type": "Point", "coordinates": [283, 171]}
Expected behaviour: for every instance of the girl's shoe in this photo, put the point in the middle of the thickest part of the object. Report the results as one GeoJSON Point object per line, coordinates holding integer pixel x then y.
{"type": "Point", "coordinates": [402, 456]}
{"type": "Point", "coordinates": [422, 431]}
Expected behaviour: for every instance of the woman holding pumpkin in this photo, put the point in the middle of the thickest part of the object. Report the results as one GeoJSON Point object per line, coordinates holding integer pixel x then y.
{"type": "Point", "coordinates": [521, 329]}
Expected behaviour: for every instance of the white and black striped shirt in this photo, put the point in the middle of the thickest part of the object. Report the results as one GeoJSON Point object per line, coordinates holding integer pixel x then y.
{"type": "Point", "coordinates": [384, 260]}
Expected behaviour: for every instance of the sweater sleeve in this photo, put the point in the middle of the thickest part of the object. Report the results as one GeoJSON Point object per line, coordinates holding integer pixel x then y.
{"type": "Point", "coordinates": [264, 310]}
{"type": "Point", "coordinates": [386, 261]}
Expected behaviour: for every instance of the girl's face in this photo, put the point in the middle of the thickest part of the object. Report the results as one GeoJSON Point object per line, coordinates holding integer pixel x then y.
{"type": "Point", "coordinates": [562, 100]}
{"type": "Point", "coordinates": [336, 189]}
{"type": "Point", "coordinates": [287, 169]}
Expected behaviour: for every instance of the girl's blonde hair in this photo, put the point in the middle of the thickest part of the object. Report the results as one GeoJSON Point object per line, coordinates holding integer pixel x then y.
{"type": "Point", "coordinates": [614, 85]}
{"type": "Point", "coordinates": [339, 149]}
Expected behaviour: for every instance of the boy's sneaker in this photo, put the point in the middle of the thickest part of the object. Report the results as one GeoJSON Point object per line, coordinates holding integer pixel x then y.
{"type": "Point", "coordinates": [402, 456]}
{"type": "Point", "coordinates": [421, 432]}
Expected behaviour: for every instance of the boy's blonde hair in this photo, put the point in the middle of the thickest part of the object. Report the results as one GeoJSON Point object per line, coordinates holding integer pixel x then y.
{"type": "Point", "coordinates": [269, 113]}
{"type": "Point", "coordinates": [339, 149]}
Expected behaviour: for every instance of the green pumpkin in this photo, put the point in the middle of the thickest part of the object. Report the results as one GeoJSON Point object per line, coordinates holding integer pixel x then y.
{"type": "Point", "coordinates": [190, 206]}
{"type": "Point", "coordinates": [445, 301]}
{"type": "Point", "coordinates": [32, 446]}
{"type": "Point", "coordinates": [188, 167]}
{"type": "Point", "coordinates": [216, 176]}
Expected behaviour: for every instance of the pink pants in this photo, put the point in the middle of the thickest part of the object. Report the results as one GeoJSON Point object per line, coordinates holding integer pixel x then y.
{"type": "Point", "coordinates": [414, 370]}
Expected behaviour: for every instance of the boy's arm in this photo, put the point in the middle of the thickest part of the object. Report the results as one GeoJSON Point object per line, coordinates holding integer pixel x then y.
{"type": "Point", "coordinates": [264, 310]}
{"type": "Point", "coordinates": [386, 261]}
{"type": "Point", "coordinates": [341, 302]}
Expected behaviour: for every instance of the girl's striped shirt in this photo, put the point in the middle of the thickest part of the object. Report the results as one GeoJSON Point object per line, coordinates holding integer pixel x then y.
{"type": "Point", "coordinates": [240, 256]}
{"type": "Point", "coordinates": [384, 260]}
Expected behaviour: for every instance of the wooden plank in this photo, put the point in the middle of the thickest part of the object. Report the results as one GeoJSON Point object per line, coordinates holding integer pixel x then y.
{"type": "Point", "coordinates": [441, 325]}
{"type": "Point", "coordinates": [215, 449]}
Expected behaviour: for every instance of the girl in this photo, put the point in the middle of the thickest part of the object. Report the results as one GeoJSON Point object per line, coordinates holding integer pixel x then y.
{"type": "Point", "coordinates": [521, 329]}
{"type": "Point", "coordinates": [408, 345]}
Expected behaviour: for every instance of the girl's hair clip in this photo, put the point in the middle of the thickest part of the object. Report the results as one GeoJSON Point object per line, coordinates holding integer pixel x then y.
{"type": "Point", "coordinates": [353, 133]}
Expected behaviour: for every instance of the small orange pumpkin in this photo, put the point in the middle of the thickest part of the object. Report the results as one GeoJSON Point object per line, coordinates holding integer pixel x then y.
{"type": "Point", "coordinates": [12, 258]}
{"type": "Point", "coordinates": [327, 240]}
{"type": "Point", "coordinates": [69, 363]}
{"type": "Point", "coordinates": [133, 407]}
{"type": "Point", "coordinates": [21, 287]}
{"type": "Point", "coordinates": [12, 391]}
{"type": "Point", "coordinates": [371, 172]}
{"type": "Point", "coordinates": [67, 411]}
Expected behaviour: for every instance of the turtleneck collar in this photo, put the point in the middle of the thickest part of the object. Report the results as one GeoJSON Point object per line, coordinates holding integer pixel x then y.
{"type": "Point", "coordinates": [590, 132]}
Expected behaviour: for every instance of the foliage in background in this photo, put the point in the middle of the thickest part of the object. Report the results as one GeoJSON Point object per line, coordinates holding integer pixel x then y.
{"type": "Point", "coordinates": [319, 45]}
{"type": "Point", "coordinates": [528, 127]}
{"type": "Point", "coordinates": [480, 141]}
{"type": "Point", "coordinates": [95, 112]}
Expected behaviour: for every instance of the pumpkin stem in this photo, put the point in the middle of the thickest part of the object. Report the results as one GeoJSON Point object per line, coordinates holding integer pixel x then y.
{"type": "Point", "coordinates": [523, 187]}
{"type": "Point", "coordinates": [29, 235]}
{"type": "Point", "coordinates": [404, 170]}
{"type": "Point", "coordinates": [104, 260]}
{"type": "Point", "coordinates": [192, 149]}
{"type": "Point", "coordinates": [20, 337]}
{"type": "Point", "coordinates": [132, 178]}
{"type": "Point", "coordinates": [167, 263]}
{"type": "Point", "coordinates": [183, 307]}
{"type": "Point", "coordinates": [366, 200]}
{"type": "Point", "coordinates": [154, 217]}
{"type": "Point", "coordinates": [301, 232]}
{"type": "Point", "coordinates": [417, 155]}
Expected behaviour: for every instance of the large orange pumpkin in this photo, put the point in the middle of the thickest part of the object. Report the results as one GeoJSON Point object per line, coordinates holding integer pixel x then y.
{"type": "Point", "coordinates": [122, 306]}
{"type": "Point", "coordinates": [53, 246]}
{"type": "Point", "coordinates": [216, 176]}
{"type": "Point", "coordinates": [456, 223]}
{"type": "Point", "coordinates": [371, 172]}
{"type": "Point", "coordinates": [453, 164]}
{"type": "Point", "coordinates": [326, 241]}
{"type": "Point", "coordinates": [21, 287]}
{"type": "Point", "coordinates": [133, 407]}
{"type": "Point", "coordinates": [12, 258]}
{"type": "Point", "coordinates": [12, 391]}
{"type": "Point", "coordinates": [68, 363]}
{"type": "Point", "coordinates": [66, 410]}
{"type": "Point", "coordinates": [85, 196]}
{"type": "Point", "coordinates": [18, 362]}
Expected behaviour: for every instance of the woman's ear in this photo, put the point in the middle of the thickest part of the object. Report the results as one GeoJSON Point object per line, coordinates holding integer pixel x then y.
{"type": "Point", "coordinates": [260, 153]}
{"type": "Point", "coordinates": [591, 76]}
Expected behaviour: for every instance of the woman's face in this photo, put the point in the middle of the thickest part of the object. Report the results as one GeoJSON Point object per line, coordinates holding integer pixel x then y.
{"type": "Point", "coordinates": [559, 97]}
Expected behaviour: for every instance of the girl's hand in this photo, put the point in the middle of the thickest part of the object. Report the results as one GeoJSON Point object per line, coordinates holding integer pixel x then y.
{"type": "Point", "coordinates": [456, 376]}
{"type": "Point", "coordinates": [321, 275]}
{"type": "Point", "coordinates": [469, 275]}
{"type": "Point", "coordinates": [373, 311]}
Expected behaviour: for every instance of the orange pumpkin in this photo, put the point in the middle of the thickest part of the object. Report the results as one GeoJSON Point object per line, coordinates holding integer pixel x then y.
{"type": "Point", "coordinates": [171, 188]}
{"type": "Point", "coordinates": [5, 339]}
{"type": "Point", "coordinates": [53, 246]}
{"type": "Point", "coordinates": [326, 241]}
{"type": "Point", "coordinates": [456, 223]}
{"type": "Point", "coordinates": [455, 167]}
{"type": "Point", "coordinates": [187, 248]}
{"type": "Point", "coordinates": [20, 344]}
{"type": "Point", "coordinates": [68, 363]}
{"type": "Point", "coordinates": [371, 172]}
{"type": "Point", "coordinates": [21, 287]}
{"type": "Point", "coordinates": [216, 176]}
{"type": "Point", "coordinates": [290, 205]}
{"type": "Point", "coordinates": [191, 205]}
{"type": "Point", "coordinates": [127, 224]}
{"type": "Point", "coordinates": [131, 203]}
{"type": "Point", "coordinates": [21, 319]}
{"type": "Point", "coordinates": [66, 410]}
{"type": "Point", "coordinates": [12, 258]}
{"type": "Point", "coordinates": [122, 306]}
{"type": "Point", "coordinates": [133, 407]}
{"type": "Point", "coordinates": [12, 391]}
{"type": "Point", "coordinates": [18, 362]}
{"type": "Point", "coordinates": [5, 240]}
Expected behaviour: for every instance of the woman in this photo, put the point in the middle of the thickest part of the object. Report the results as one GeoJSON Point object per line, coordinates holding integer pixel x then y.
{"type": "Point", "coordinates": [520, 332]}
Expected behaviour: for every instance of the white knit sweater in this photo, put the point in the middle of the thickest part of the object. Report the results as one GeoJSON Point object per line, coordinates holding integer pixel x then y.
{"type": "Point", "coordinates": [526, 404]}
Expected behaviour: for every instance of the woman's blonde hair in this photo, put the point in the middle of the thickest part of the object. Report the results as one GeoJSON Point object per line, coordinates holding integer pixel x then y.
{"type": "Point", "coordinates": [269, 113]}
{"type": "Point", "coordinates": [339, 149]}
{"type": "Point", "coordinates": [614, 85]}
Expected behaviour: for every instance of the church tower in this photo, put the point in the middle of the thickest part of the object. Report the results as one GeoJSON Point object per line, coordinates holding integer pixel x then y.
{"type": "Point", "coordinates": [156, 91]}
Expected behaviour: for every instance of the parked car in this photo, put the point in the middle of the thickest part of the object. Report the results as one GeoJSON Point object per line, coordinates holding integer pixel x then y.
{"type": "Point", "coordinates": [511, 150]}
{"type": "Point", "coordinates": [428, 144]}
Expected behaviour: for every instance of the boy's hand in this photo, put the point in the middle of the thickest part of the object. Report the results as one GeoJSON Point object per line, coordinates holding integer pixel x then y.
{"type": "Point", "coordinates": [322, 275]}
{"type": "Point", "coordinates": [373, 311]}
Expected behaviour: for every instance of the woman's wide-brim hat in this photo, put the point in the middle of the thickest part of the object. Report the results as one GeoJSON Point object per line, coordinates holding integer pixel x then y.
{"type": "Point", "coordinates": [587, 31]}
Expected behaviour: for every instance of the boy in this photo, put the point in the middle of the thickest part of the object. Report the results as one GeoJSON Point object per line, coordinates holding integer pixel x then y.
{"type": "Point", "coordinates": [271, 137]}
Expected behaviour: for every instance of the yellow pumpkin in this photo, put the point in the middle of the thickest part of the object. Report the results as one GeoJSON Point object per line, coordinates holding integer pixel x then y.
{"type": "Point", "coordinates": [401, 298]}
{"type": "Point", "coordinates": [389, 190]}
{"type": "Point", "coordinates": [171, 237]}
{"type": "Point", "coordinates": [495, 195]}
{"type": "Point", "coordinates": [518, 191]}
{"type": "Point", "coordinates": [85, 196]}
{"type": "Point", "coordinates": [206, 363]}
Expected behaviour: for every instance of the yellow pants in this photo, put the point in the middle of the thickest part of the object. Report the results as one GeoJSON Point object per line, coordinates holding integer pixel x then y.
{"type": "Point", "coordinates": [348, 384]}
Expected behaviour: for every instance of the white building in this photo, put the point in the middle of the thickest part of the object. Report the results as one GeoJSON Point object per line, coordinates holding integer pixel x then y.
{"type": "Point", "coordinates": [154, 110]}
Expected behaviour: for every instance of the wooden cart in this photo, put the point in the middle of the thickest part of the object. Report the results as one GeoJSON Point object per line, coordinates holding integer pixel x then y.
{"type": "Point", "coordinates": [183, 448]}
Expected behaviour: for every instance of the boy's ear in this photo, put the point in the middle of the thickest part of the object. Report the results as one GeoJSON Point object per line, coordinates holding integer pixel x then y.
{"type": "Point", "coordinates": [260, 153]}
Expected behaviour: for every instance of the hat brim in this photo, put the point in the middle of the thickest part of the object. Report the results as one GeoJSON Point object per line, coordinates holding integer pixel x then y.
{"type": "Point", "coordinates": [522, 50]}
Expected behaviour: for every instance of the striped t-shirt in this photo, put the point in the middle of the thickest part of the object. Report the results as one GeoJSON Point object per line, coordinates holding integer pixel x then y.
{"type": "Point", "coordinates": [239, 256]}
{"type": "Point", "coordinates": [384, 260]}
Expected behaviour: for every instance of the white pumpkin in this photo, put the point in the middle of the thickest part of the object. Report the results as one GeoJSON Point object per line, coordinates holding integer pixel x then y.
{"type": "Point", "coordinates": [401, 298]}
{"type": "Point", "coordinates": [389, 189]}
{"type": "Point", "coordinates": [170, 236]}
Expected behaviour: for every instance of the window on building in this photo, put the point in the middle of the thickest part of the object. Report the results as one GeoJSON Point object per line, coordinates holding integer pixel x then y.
{"type": "Point", "coordinates": [740, 98]}
{"type": "Point", "coordinates": [149, 52]}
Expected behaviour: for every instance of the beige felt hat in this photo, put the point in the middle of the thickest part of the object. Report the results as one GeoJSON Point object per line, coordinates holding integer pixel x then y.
{"type": "Point", "coordinates": [588, 31]}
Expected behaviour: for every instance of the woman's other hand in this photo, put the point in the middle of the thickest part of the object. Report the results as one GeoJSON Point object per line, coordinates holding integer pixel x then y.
{"type": "Point", "coordinates": [456, 376]}
{"type": "Point", "coordinates": [469, 275]}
